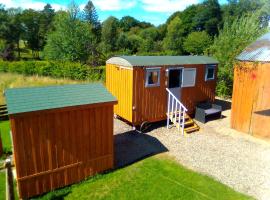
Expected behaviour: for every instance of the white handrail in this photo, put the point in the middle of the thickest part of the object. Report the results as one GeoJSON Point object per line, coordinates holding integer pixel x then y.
{"type": "Point", "coordinates": [177, 99]}
{"type": "Point", "coordinates": [173, 111]}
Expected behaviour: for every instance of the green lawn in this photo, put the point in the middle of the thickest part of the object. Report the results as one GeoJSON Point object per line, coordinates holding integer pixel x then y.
{"type": "Point", "coordinates": [2, 186]}
{"type": "Point", "coordinates": [152, 178]}
{"type": "Point", "coordinates": [5, 136]}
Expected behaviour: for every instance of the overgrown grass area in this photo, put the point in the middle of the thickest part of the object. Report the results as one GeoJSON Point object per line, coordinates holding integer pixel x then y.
{"type": "Point", "coordinates": [10, 80]}
{"type": "Point", "coordinates": [152, 178]}
{"type": "Point", "coordinates": [2, 185]}
{"type": "Point", "coordinates": [5, 136]}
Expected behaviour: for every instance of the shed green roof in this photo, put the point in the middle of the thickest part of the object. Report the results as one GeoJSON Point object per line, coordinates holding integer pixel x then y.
{"type": "Point", "coordinates": [140, 61]}
{"type": "Point", "coordinates": [21, 100]}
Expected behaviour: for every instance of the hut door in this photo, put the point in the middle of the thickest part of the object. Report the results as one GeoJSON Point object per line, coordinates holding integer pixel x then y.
{"type": "Point", "coordinates": [175, 81]}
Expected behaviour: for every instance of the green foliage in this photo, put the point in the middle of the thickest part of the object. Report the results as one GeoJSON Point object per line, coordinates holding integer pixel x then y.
{"type": "Point", "coordinates": [5, 136]}
{"type": "Point", "coordinates": [152, 178]}
{"type": "Point", "coordinates": [197, 42]}
{"type": "Point", "coordinates": [56, 69]}
{"type": "Point", "coordinates": [72, 39]}
{"type": "Point", "coordinates": [127, 22]}
{"type": "Point", "coordinates": [90, 15]}
{"type": "Point", "coordinates": [109, 34]}
{"type": "Point", "coordinates": [174, 37]}
{"type": "Point", "coordinates": [232, 40]}
{"type": "Point", "coordinates": [2, 185]}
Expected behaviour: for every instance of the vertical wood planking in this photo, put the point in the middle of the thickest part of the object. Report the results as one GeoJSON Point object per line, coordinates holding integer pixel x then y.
{"type": "Point", "coordinates": [151, 103]}
{"type": "Point", "coordinates": [58, 140]}
{"type": "Point", "coordinates": [119, 81]}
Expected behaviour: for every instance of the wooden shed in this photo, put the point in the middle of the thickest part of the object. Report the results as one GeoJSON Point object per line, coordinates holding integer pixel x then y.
{"type": "Point", "coordinates": [143, 85]}
{"type": "Point", "coordinates": [61, 134]}
{"type": "Point", "coordinates": [251, 89]}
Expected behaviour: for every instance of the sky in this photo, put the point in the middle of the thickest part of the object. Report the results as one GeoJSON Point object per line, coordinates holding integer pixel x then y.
{"type": "Point", "coordinates": [153, 11]}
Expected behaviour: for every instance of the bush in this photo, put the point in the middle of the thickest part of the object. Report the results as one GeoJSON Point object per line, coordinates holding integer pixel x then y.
{"type": "Point", "coordinates": [56, 69]}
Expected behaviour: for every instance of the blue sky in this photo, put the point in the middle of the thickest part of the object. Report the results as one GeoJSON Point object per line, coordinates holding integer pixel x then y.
{"type": "Point", "coordinates": [154, 11]}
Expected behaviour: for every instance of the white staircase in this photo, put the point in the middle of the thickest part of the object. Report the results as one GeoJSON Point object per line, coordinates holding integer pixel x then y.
{"type": "Point", "coordinates": [176, 113]}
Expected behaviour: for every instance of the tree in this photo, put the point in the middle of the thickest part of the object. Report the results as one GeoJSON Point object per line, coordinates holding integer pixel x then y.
{"type": "Point", "coordinates": [45, 22]}
{"type": "Point", "coordinates": [149, 38]}
{"type": "Point", "coordinates": [208, 17]}
{"type": "Point", "coordinates": [230, 42]}
{"type": "Point", "coordinates": [127, 22]}
{"type": "Point", "coordinates": [72, 40]}
{"type": "Point", "coordinates": [109, 34]}
{"type": "Point", "coordinates": [31, 31]}
{"type": "Point", "coordinates": [197, 42]}
{"type": "Point", "coordinates": [174, 37]}
{"type": "Point", "coordinates": [90, 15]}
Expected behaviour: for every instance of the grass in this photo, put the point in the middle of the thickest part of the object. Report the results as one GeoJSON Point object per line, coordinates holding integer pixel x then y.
{"type": "Point", "coordinates": [152, 178]}
{"type": "Point", "coordinates": [2, 185]}
{"type": "Point", "coordinates": [9, 80]}
{"type": "Point", "coordinates": [5, 136]}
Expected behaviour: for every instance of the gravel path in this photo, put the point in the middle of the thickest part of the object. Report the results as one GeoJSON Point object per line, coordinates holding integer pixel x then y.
{"type": "Point", "coordinates": [233, 158]}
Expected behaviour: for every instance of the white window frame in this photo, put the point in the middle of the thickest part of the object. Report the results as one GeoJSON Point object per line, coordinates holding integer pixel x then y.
{"type": "Point", "coordinates": [147, 72]}
{"type": "Point", "coordinates": [195, 77]}
{"type": "Point", "coordinates": [206, 72]}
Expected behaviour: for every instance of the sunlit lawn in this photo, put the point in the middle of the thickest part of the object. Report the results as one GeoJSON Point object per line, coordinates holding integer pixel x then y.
{"type": "Point", "coordinates": [152, 178]}
{"type": "Point", "coordinates": [5, 136]}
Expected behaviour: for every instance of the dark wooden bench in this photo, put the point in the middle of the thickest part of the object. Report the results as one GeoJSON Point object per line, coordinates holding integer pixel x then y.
{"type": "Point", "coordinates": [206, 111]}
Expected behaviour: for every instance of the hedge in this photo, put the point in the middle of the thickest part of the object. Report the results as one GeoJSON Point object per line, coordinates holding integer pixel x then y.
{"type": "Point", "coordinates": [55, 69]}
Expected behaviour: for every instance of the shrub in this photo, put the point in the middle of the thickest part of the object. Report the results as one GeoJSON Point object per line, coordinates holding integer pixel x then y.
{"type": "Point", "coordinates": [56, 69]}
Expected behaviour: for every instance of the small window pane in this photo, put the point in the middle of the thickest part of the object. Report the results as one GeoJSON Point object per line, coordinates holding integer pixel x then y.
{"type": "Point", "coordinates": [210, 73]}
{"type": "Point", "coordinates": [189, 77]}
{"type": "Point", "coordinates": [152, 77]}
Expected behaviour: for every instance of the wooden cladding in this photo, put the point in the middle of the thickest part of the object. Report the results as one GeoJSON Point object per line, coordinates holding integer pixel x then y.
{"type": "Point", "coordinates": [119, 81]}
{"type": "Point", "coordinates": [138, 103]}
{"type": "Point", "coordinates": [251, 99]}
{"type": "Point", "coordinates": [60, 147]}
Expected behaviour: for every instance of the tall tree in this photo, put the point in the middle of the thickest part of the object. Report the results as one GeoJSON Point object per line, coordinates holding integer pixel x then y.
{"type": "Point", "coordinates": [91, 16]}
{"type": "Point", "coordinates": [72, 40]}
{"type": "Point", "coordinates": [209, 17]}
{"type": "Point", "coordinates": [109, 34]}
{"type": "Point", "coordinates": [31, 31]}
{"type": "Point", "coordinates": [46, 18]}
{"type": "Point", "coordinates": [173, 41]}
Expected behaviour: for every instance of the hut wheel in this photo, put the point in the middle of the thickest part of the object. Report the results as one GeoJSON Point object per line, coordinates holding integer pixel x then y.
{"type": "Point", "coordinates": [144, 126]}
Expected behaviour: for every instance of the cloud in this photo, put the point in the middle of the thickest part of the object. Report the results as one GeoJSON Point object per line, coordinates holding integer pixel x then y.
{"type": "Point", "coordinates": [167, 6]}
{"type": "Point", "coordinates": [114, 5]}
{"type": "Point", "coordinates": [37, 5]}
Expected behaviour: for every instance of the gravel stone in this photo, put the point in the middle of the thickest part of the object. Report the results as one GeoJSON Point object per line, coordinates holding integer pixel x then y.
{"type": "Point", "coordinates": [233, 158]}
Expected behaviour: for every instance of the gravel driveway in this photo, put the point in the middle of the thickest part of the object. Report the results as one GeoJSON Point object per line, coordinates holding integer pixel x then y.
{"type": "Point", "coordinates": [233, 158]}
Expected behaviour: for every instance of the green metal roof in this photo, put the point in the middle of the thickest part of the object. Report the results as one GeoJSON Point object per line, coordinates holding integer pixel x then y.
{"type": "Point", "coordinates": [21, 100]}
{"type": "Point", "coordinates": [140, 61]}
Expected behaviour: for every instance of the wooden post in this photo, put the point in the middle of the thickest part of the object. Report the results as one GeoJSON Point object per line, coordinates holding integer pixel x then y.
{"type": "Point", "coordinates": [9, 181]}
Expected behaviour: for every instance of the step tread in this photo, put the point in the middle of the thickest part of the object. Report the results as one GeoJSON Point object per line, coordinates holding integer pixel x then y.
{"type": "Point", "coordinates": [192, 128]}
{"type": "Point", "coordinates": [189, 122]}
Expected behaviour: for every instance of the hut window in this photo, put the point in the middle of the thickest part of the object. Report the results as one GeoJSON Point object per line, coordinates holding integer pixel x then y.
{"type": "Point", "coordinates": [189, 77]}
{"type": "Point", "coordinates": [210, 73]}
{"type": "Point", "coordinates": [152, 77]}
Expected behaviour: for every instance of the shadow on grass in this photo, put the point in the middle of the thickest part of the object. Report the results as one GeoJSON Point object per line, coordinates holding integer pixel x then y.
{"type": "Point", "coordinates": [131, 146]}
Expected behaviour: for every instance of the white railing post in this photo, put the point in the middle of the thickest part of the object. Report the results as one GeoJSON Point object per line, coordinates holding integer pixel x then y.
{"type": "Point", "coordinates": [168, 110]}
{"type": "Point", "coordinates": [183, 123]}
{"type": "Point", "coordinates": [173, 109]}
